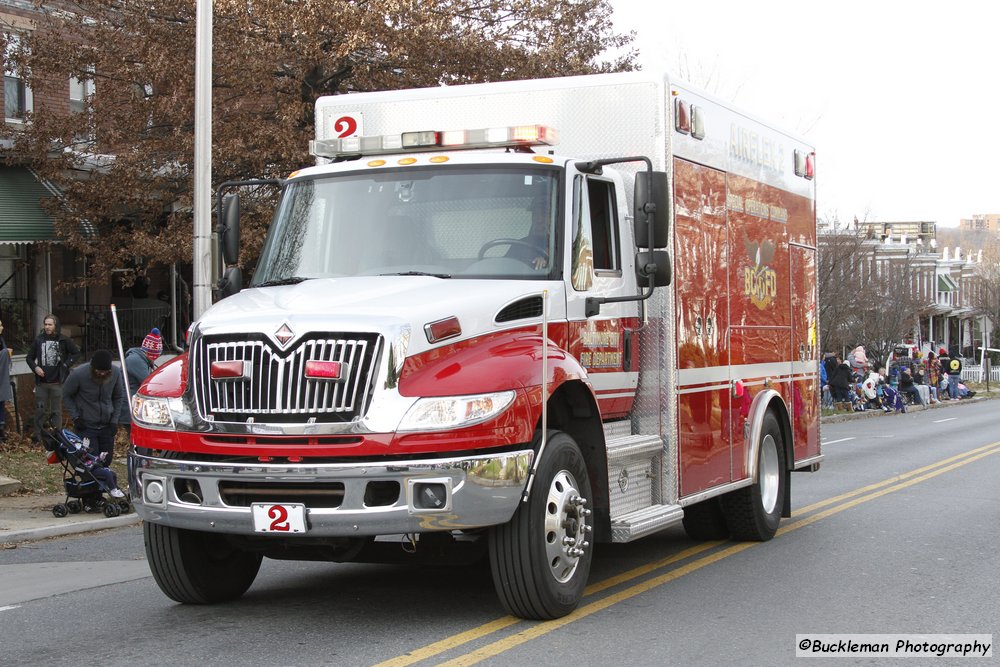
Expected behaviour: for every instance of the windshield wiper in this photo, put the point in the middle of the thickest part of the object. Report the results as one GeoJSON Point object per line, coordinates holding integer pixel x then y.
{"type": "Point", "coordinates": [417, 273]}
{"type": "Point", "coordinates": [293, 280]}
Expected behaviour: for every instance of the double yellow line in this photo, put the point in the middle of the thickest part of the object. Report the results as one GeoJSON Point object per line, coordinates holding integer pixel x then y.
{"type": "Point", "coordinates": [810, 515]}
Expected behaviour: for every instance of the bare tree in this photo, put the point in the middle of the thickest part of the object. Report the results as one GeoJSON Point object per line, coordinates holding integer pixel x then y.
{"type": "Point", "coordinates": [866, 290]}
{"type": "Point", "coordinates": [271, 60]}
{"type": "Point", "coordinates": [986, 298]}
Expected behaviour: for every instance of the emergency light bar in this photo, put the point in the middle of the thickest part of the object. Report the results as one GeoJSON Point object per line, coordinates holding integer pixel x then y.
{"type": "Point", "coordinates": [520, 136]}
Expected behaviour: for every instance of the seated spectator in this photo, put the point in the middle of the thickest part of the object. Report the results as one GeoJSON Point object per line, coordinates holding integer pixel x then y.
{"type": "Point", "coordinates": [840, 383]}
{"type": "Point", "coordinates": [908, 388]}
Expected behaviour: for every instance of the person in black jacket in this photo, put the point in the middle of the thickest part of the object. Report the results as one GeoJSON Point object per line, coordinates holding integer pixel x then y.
{"type": "Point", "coordinates": [94, 393]}
{"type": "Point", "coordinates": [907, 386]}
{"type": "Point", "coordinates": [953, 367]}
{"type": "Point", "coordinates": [50, 358]}
{"type": "Point", "coordinates": [840, 382]}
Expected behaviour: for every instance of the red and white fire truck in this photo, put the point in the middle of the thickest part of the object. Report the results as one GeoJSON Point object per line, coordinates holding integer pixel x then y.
{"type": "Point", "coordinates": [513, 319]}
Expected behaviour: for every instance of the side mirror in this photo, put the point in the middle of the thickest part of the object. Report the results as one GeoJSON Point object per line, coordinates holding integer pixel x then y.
{"type": "Point", "coordinates": [651, 198]}
{"type": "Point", "coordinates": [229, 235]}
{"type": "Point", "coordinates": [232, 282]}
{"type": "Point", "coordinates": [655, 263]}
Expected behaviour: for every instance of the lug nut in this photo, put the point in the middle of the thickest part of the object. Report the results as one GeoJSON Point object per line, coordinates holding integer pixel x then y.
{"type": "Point", "coordinates": [569, 541]}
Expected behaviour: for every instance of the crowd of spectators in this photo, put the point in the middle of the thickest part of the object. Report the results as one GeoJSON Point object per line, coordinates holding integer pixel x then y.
{"type": "Point", "coordinates": [914, 378]}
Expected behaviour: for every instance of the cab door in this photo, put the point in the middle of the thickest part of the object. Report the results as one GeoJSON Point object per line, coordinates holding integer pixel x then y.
{"type": "Point", "coordinates": [599, 261]}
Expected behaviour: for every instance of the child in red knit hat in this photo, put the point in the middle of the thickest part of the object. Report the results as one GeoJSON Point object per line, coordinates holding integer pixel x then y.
{"type": "Point", "coordinates": [152, 344]}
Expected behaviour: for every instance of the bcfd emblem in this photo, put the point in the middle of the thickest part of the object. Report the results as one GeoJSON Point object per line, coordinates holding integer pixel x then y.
{"type": "Point", "coordinates": [760, 282]}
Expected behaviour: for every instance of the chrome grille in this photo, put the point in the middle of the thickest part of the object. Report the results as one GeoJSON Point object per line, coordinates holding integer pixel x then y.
{"type": "Point", "coordinates": [275, 387]}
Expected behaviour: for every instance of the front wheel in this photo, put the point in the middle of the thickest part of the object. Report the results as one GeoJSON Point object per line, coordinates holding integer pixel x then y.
{"type": "Point", "coordinates": [753, 513]}
{"type": "Point", "coordinates": [198, 568]}
{"type": "Point", "coordinates": [541, 558]}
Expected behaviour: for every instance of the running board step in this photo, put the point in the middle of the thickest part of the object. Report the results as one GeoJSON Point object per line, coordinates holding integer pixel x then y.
{"type": "Point", "coordinates": [640, 523]}
{"type": "Point", "coordinates": [628, 446]}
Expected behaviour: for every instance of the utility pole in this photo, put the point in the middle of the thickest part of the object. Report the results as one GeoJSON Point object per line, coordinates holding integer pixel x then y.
{"type": "Point", "coordinates": [202, 260]}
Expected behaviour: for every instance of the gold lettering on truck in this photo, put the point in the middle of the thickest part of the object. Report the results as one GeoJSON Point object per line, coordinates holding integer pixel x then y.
{"type": "Point", "coordinates": [760, 282]}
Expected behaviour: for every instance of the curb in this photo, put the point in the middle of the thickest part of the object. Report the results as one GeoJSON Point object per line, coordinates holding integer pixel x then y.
{"type": "Point", "coordinates": [8, 486]}
{"type": "Point", "coordinates": [33, 534]}
{"type": "Point", "coordinates": [910, 409]}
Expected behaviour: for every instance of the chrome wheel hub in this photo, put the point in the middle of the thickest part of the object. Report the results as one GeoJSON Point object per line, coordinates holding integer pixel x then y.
{"type": "Point", "coordinates": [769, 474]}
{"type": "Point", "coordinates": [566, 528]}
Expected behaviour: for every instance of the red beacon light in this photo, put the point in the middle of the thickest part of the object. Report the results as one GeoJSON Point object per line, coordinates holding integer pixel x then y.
{"type": "Point", "coordinates": [805, 164]}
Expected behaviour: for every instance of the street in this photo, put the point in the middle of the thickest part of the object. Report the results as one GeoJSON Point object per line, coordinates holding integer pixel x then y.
{"type": "Point", "coordinates": [893, 535]}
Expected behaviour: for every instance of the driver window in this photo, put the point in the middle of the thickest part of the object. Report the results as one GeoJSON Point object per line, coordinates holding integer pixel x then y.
{"type": "Point", "coordinates": [595, 243]}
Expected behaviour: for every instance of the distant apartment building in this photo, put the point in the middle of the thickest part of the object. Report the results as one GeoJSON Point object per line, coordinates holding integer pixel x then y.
{"type": "Point", "coordinates": [919, 233]}
{"type": "Point", "coordinates": [945, 281]}
{"type": "Point", "coordinates": [981, 222]}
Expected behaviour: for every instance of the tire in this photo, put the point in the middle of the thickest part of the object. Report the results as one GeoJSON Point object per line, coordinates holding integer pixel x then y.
{"type": "Point", "coordinates": [706, 521]}
{"type": "Point", "coordinates": [192, 567]}
{"type": "Point", "coordinates": [753, 513]}
{"type": "Point", "coordinates": [541, 558]}
{"type": "Point", "coordinates": [124, 506]}
{"type": "Point", "coordinates": [74, 506]}
{"type": "Point", "coordinates": [60, 511]}
{"type": "Point", "coordinates": [111, 510]}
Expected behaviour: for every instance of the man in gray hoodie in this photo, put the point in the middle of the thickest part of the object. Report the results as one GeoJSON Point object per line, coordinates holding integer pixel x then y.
{"type": "Point", "coordinates": [93, 395]}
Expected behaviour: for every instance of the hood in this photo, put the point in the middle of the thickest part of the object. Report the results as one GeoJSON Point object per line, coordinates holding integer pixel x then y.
{"type": "Point", "coordinates": [378, 303]}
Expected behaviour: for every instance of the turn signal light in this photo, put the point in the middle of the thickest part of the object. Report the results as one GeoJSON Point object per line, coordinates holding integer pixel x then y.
{"type": "Point", "coordinates": [443, 329]}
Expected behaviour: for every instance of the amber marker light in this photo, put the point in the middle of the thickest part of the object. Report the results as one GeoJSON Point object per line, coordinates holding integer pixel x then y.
{"type": "Point", "coordinates": [438, 159]}
{"type": "Point", "coordinates": [407, 161]}
{"type": "Point", "coordinates": [443, 329]}
{"type": "Point", "coordinates": [377, 163]}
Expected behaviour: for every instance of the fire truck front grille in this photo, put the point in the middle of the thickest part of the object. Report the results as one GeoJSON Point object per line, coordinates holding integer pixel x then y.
{"type": "Point", "coordinates": [262, 383]}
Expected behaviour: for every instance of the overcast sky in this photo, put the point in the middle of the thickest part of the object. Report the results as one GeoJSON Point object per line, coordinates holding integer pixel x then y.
{"type": "Point", "coordinates": [900, 99]}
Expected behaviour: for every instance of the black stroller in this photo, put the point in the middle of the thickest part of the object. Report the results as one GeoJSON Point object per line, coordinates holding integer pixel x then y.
{"type": "Point", "coordinates": [91, 485]}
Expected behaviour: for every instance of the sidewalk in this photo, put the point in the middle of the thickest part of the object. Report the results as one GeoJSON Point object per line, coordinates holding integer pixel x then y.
{"type": "Point", "coordinates": [844, 416]}
{"type": "Point", "coordinates": [27, 518]}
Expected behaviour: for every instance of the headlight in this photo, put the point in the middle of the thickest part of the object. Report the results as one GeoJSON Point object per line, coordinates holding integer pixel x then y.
{"type": "Point", "coordinates": [151, 411]}
{"type": "Point", "coordinates": [454, 411]}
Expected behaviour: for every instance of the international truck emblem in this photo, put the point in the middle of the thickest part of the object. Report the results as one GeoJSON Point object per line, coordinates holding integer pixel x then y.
{"type": "Point", "coordinates": [283, 335]}
{"type": "Point", "coordinates": [760, 282]}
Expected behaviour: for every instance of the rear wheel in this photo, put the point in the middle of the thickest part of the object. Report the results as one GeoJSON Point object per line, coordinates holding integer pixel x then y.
{"type": "Point", "coordinates": [60, 510]}
{"type": "Point", "coordinates": [541, 557]}
{"type": "Point", "coordinates": [198, 568]}
{"type": "Point", "coordinates": [753, 513]}
{"type": "Point", "coordinates": [74, 506]}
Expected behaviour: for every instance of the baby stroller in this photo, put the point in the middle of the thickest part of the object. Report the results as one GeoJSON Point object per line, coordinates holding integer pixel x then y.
{"type": "Point", "coordinates": [91, 485]}
{"type": "Point", "coordinates": [891, 398]}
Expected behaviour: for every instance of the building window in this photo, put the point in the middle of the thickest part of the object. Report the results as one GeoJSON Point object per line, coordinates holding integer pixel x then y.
{"type": "Point", "coordinates": [17, 98]}
{"type": "Point", "coordinates": [79, 91]}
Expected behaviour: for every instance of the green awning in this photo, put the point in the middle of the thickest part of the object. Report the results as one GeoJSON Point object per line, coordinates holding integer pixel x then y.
{"type": "Point", "coordinates": [22, 218]}
{"type": "Point", "coordinates": [946, 284]}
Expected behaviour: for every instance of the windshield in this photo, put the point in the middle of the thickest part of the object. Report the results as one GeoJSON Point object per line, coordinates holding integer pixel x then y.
{"type": "Point", "coordinates": [462, 222]}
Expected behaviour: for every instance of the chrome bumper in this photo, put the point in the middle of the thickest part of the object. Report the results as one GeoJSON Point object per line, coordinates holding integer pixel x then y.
{"type": "Point", "coordinates": [479, 491]}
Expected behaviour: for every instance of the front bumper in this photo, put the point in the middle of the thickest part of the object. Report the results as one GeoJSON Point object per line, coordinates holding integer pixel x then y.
{"type": "Point", "coordinates": [341, 499]}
